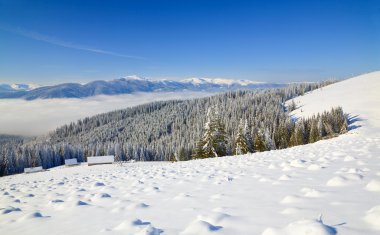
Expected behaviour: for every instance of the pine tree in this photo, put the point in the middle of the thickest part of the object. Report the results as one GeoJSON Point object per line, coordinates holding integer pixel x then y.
{"type": "Point", "coordinates": [241, 145]}
{"type": "Point", "coordinates": [214, 138]}
{"type": "Point", "coordinates": [248, 137]}
{"type": "Point", "coordinates": [173, 158]}
{"type": "Point", "coordinates": [118, 153]}
{"type": "Point", "coordinates": [297, 137]}
{"type": "Point", "coordinates": [199, 151]}
{"type": "Point", "coordinates": [344, 127]}
{"type": "Point", "coordinates": [268, 140]}
{"type": "Point", "coordinates": [283, 136]}
{"type": "Point", "coordinates": [208, 137]}
{"type": "Point", "coordinates": [314, 135]}
{"type": "Point", "coordinates": [321, 127]}
{"type": "Point", "coordinates": [219, 135]}
{"type": "Point", "coordinates": [292, 106]}
{"type": "Point", "coordinates": [259, 143]}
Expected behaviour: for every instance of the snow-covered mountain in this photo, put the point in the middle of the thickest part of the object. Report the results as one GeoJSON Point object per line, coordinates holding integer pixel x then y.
{"type": "Point", "coordinates": [326, 188]}
{"type": "Point", "coordinates": [127, 85]}
{"type": "Point", "coordinates": [18, 87]}
{"type": "Point", "coordinates": [221, 82]}
{"type": "Point", "coordinates": [24, 87]}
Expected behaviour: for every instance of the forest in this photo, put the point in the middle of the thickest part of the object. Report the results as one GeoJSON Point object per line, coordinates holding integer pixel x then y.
{"type": "Point", "coordinates": [231, 123]}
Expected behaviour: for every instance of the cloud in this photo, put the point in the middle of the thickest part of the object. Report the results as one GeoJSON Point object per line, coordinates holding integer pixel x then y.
{"type": "Point", "coordinates": [36, 117]}
{"type": "Point", "coordinates": [54, 41]}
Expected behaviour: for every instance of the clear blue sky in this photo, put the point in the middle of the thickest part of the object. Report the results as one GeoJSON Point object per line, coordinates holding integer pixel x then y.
{"type": "Point", "coordinates": [62, 41]}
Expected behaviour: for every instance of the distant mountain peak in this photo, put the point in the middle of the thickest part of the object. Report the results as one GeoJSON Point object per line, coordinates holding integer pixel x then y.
{"type": "Point", "coordinates": [195, 81]}
{"type": "Point", "coordinates": [134, 77]}
{"type": "Point", "coordinates": [127, 85]}
{"type": "Point", "coordinates": [24, 87]}
{"type": "Point", "coordinates": [221, 81]}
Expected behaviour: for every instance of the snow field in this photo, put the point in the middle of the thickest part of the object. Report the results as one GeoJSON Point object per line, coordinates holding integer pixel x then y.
{"type": "Point", "coordinates": [272, 192]}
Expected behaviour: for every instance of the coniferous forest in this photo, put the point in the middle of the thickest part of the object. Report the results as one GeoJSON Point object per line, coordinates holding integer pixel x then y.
{"type": "Point", "coordinates": [232, 123]}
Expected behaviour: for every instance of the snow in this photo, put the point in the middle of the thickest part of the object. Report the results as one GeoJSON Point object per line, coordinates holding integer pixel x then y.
{"type": "Point", "coordinates": [24, 87]}
{"type": "Point", "coordinates": [358, 96]}
{"type": "Point", "coordinates": [220, 81]}
{"type": "Point", "coordinates": [373, 217]}
{"type": "Point", "coordinates": [100, 160]}
{"type": "Point", "coordinates": [309, 227]}
{"type": "Point", "coordinates": [329, 187]}
{"type": "Point", "coordinates": [134, 77]}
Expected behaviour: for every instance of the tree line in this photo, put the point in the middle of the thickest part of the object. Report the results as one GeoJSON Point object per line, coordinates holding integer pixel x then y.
{"type": "Point", "coordinates": [214, 142]}
{"type": "Point", "coordinates": [253, 120]}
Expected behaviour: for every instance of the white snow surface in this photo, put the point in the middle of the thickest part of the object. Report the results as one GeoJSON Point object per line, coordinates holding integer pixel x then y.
{"type": "Point", "coordinates": [329, 187]}
{"type": "Point", "coordinates": [358, 96]}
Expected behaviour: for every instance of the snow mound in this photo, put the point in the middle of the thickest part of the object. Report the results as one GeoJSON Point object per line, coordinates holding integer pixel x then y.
{"type": "Point", "coordinates": [33, 216]}
{"type": "Point", "coordinates": [10, 210]}
{"type": "Point", "coordinates": [303, 227]}
{"type": "Point", "coordinates": [82, 203]}
{"type": "Point", "coordinates": [373, 217]}
{"type": "Point", "coordinates": [312, 193]}
{"type": "Point", "coordinates": [99, 184]}
{"type": "Point", "coordinates": [138, 206]}
{"type": "Point", "coordinates": [344, 180]}
{"type": "Point", "coordinates": [290, 199]}
{"type": "Point", "coordinates": [200, 227]}
{"type": "Point", "coordinates": [374, 186]}
{"type": "Point", "coordinates": [138, 227]}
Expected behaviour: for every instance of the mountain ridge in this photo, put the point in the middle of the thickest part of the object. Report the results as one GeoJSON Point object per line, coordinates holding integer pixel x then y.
{"type": "Point", "coordinates": [128, 85]}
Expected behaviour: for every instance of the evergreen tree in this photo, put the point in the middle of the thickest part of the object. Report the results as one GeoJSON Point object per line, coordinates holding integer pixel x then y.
{"type": "Point", "coordinates": [199, 151]}
{"type": "Point", "coordinates": [283, 136]}
{"type": "Point", "coordinates": [214, 138]}
{"type": "Point", "coordinates": [292, 106]}
{"type": "Point", "coordinates": [259, 143]}
{"type": "Point", "coordinates": [209, 134]}
{"type": "Point", "coordinates": [298, 135]}
{"type": "Point", "coordinates": [321, 127]}
{"type": "Point", "coordinates": [344, 126]}
{"type": "Point", "coordinates": [220, 137]}
{"type": "Point", "coordinates": [314, 135]}
{"type": "Point", "coordinates": [241, 145]}
{"type": "Point", "coordinates": [248, 137]}
{"type": "Point", "coordinates": [269, 143]}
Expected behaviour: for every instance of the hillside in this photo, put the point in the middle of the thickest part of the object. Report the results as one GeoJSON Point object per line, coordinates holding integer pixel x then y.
{"type": "Point", "coordinates": [358, 96]}
{"type": "Point", "coordinates": [329, 187]}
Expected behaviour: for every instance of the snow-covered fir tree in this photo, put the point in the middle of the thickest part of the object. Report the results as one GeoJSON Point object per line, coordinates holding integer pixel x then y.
{"type": "Point", "coordinates": [241, 142]}
{"type": "Point", "coordinates": [214, 139]}
{"type": "Point", "coordinates": [259, 142]}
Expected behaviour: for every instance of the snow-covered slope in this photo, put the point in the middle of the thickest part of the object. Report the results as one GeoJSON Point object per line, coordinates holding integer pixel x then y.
{"type": "Point", "coordinates": [358, 96]}
{"type": "Point", "coordinates": [329, 187]}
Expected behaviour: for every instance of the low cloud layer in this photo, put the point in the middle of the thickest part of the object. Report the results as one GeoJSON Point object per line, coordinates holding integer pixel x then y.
{"type": "Point", "coordinates": [30, 118]}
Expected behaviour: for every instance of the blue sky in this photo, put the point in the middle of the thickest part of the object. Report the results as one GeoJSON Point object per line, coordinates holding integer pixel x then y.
{"type": "Point", "coordinates": [64, 41]}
